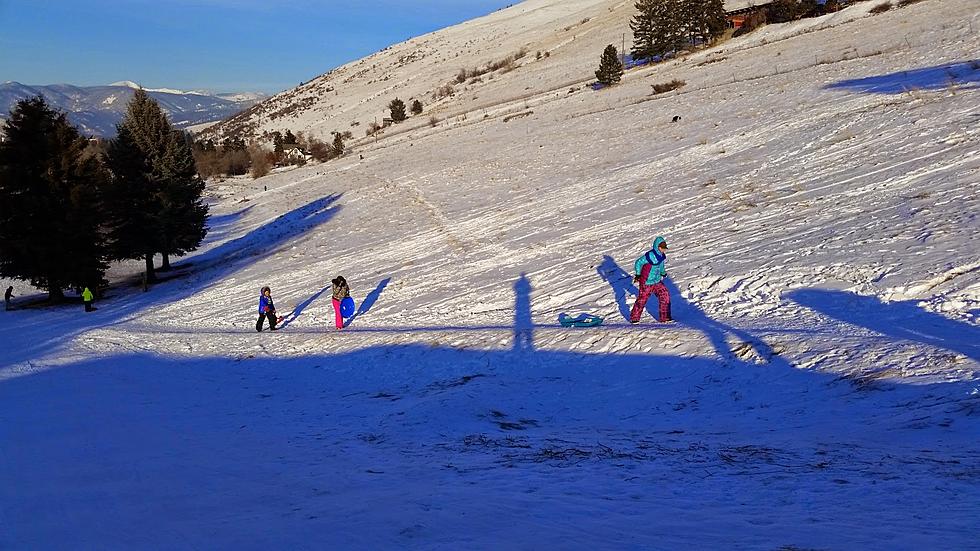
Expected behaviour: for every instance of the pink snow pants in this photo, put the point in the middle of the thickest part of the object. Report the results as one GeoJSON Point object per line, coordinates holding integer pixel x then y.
{"type": "Point", "coordinates": [663, 296]}
{"type": "Point", "coordinates": [338, 319]}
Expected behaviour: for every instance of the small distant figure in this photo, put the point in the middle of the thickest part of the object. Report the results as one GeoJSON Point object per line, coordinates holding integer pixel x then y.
{"type": "Point", "coordinates": [361, 156]}
{"type": "Point", "coordinates": [651, 269]}
{"type": "Point", "coordinates": [87, 298]}
{"type": "Point", "coordinates": [676, 118]}
{"type": "Point", "coordinates": [340, 291]}
{"type": "Point", "coordinates": [267, 310]}
{"type": "Point", "coordinates": [7, 298]}
{"type": "Point", "coordinates": [265, 188]}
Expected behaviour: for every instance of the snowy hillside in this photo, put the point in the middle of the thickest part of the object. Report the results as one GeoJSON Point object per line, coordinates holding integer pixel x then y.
{"type": "Point", "coordinates": [820, 389]}
{"type": "Point", "coordinates": [96, 110]}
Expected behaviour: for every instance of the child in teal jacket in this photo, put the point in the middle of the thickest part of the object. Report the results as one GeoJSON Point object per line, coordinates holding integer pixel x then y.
{"type": "Point", "coordinates": [651, 269]}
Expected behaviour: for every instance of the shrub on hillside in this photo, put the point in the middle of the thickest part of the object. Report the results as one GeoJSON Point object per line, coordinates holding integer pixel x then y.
{"type": "Point", "coordinates": [210, 161]}
{"type": "Point", "coordinates": [320, 150]}
{"type": "Point", "coordinates": [260, 162]}
{"type": "Point", "coordinates": [880, 8]}
{"type": "Point", "coordinates": [443, 91]}
{"type": "Point", "coordinates": [667, 86]}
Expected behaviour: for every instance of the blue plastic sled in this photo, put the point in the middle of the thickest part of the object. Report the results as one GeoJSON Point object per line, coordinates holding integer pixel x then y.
{"type": "Point", "coordinates": [582, 320]}
{"type": "Point", "coordinates": [347, 307]}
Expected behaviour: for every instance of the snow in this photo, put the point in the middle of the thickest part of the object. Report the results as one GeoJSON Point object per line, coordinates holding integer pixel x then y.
{"type": "Point", "coordinates": [135, 86]}
{"type": "Point", "coordinates": [819, 391]}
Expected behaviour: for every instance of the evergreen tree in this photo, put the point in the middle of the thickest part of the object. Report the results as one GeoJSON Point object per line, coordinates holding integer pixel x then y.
{"type": "Point", "coordinates": [173, 218]}
{"type": "Point", "coordinates": [781, 11]}
{"type": "Point", "coordinates": [148, 125]}
{"type": "Point", "coordinates": [610, 68]}
{"type": "Point", "coordinates": [659, 28]}
{"type": "Point", "coordinates": [50, 216]}
{"type": "Point", "coordinates": [288, 137]}
{"type": "Point", "coordinates": [132, 202]}
{"type": "Point", "coordinates": [397, 108]}
{"type": "Point", "coordinates": [704, 19]}
{"type": "Point", "coordinates": [183, 214]}
{"type": "Point", "coordinates": [715, 21]}
{"type": "Point", "coordinates": [642, 26]}
{"type": "Point", "coordinates": [150, 130]}
{"type": "Point", "coordinates": [671, 32]}
{"type": "Point", "coordinates": [277, 146]}
{"type": "Point", "coordinates": [338, 145]}
{"type": "Point", "coordinates": [416, 107]}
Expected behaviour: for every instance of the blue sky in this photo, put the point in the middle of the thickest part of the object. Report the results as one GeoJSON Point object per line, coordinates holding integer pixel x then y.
{"type": "Point", "coordinates": [220, 45]}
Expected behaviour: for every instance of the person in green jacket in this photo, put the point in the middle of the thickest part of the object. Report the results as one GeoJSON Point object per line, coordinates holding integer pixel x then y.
{"type": "Point", "coordinates": [651, 269]}
{"type": "Point", "coordinates": [87, 298]}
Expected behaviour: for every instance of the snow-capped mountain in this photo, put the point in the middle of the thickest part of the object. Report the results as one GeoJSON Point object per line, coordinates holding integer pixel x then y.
{"type": "Point", "coordinates": [97, 109]}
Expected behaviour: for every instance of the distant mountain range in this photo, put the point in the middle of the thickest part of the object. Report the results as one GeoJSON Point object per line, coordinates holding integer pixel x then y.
{"type": "Point", "coordinates": [96, 110]}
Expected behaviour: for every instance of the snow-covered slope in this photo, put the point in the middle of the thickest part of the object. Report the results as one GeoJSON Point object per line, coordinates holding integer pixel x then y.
{"type": "Point", "coordinates": [820, 389]}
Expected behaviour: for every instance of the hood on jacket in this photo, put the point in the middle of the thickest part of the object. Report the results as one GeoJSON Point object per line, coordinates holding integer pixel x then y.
{"type": "Point", "coordinates": [264, 289]}
{"type": "Point", "coordinates": [656, 242]}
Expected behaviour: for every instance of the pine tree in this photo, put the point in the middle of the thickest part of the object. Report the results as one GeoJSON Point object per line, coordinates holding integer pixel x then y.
{"type": "Point", "coordinates": [397, 108]}
{"type": "Point", "coordinates": [50, 215]}
{"type": "Point", "coordinates": [781, 11]}
{"type": "Point", "coordinates": [150, 130]}
{"type": "Point", "coordinates": [670, 32]}
{"type": "Point", "coordinates": [278, 151]}
{"type": "Point", "coordinates": [288, 137]}
{"type": "Point", "coordinates": [165, 187]}
{"type": "Point", "coordinates": [704, 19]}
{"type": "Point", "coordinates": [338, 145]}
{"type": "Point", "coordinates": [642, 27]}
{"type": "Point", "coordinates": [659, 28]}
{"type": "Point", "coordinates": [715, 21]}
{"type": "Point", "coordinates": [416, 107]}
{"type": "Point", "coordinates": [148, 125]}
{"type": "Point", "coordinates": [183, 215]}
{"type": "Point", "coordinates": [610, 68]}
{"type": "Point", "coordinates": [132, 202]}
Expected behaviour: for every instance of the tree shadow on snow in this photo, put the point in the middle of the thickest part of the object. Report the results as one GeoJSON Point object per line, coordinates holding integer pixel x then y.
{"type": "Point", "coordinates": [302, 445]}
{"type": "Point", "coordinates": [408, 425]}
{"type": "Point", "coordinates": [964, 74]}
{"type": "Point", "coordinates": [901, 320]}
{"type": "Point", "coordinates": [298, 311]}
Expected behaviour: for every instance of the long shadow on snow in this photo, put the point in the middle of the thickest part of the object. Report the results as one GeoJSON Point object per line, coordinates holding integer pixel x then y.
{"type": "Point", "coordinates": [239, 431]}
{"type": "Point", "coordinates": [369, 300]}
{"type": "Point", "coordinates": [901, 320]}
{"type": "Point", "coordinates": [260, 438]}
{"type": "Point", "coordinates": [48, 331]}
{"type": "Point", "coordinates": [298, 311]}
{"type": "Point", "coordinates": [219, 226]}
{"type": "Point", "coordinates": [965, 74]}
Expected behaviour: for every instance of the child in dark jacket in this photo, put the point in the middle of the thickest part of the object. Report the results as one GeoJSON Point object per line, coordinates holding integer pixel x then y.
{"type": "Point", "coordinates": [340, 292]}
{"type": "Point", "coordinates": [267, 310]}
